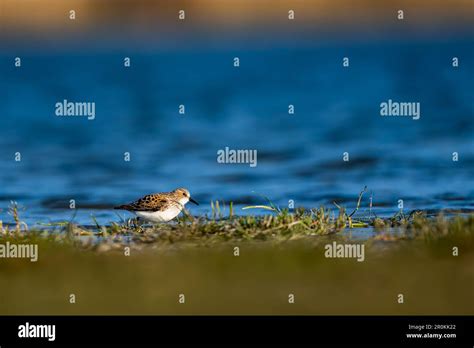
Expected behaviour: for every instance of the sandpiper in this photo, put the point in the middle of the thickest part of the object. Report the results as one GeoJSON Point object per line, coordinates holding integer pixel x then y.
{"type": "Point", "coordinates": [160, 207]}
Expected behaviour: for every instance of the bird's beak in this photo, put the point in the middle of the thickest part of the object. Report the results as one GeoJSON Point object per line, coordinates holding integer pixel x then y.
{"type": "Point", "coordinates": [193, 201]}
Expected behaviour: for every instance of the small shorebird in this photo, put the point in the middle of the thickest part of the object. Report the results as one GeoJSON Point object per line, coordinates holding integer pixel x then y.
{"type": "Point", "coordinates": [160, 207]}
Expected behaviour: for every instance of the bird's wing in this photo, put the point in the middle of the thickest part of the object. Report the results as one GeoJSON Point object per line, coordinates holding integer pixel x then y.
{"type": "Point", "coordinates": [153, 202]}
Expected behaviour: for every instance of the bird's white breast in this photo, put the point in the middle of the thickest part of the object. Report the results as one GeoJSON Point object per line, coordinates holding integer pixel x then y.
{"type": "Point", "coordinates": [159, 216]}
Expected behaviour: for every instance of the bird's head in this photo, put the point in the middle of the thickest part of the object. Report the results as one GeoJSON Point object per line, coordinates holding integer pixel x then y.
{"type": "Point", "coordinates": [183, 196]}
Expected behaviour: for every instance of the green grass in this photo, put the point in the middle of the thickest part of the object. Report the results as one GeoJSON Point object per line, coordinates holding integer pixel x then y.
{"type": "Point", "coordinates": [278, 227]}
{"type": "Point", "coordinates": [280, 253]}
{"type": "Point", "coordinates": [258, 281]}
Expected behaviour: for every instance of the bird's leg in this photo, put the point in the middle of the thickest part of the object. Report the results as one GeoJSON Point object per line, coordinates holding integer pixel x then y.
{"type": "Point", "coordinates": [136, 222]}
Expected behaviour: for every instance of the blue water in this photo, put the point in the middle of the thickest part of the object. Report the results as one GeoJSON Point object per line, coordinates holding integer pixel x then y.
{"type": "Point", "coordinates": [299, 156]}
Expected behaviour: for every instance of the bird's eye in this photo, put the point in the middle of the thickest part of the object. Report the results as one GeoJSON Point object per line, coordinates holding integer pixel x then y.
{"type": "Point", "coordinates": [184, 193]}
